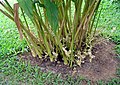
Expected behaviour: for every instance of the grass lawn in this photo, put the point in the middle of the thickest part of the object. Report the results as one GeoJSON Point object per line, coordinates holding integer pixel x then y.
{"type": "Point", "coordinates": [15, 72]}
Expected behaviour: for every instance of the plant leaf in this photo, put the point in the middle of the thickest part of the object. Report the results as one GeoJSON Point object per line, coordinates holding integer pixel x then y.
{"type": "Point", "coordinates": [52, 14]}
{"type": "Point", "coordinates": [16, 19]}
{"type": "Point", "coordinates": [27, 6]}
{"type": "Point", "coordinates": [73, 0]}
{"type": "Point", "coordinates": [41, 5]}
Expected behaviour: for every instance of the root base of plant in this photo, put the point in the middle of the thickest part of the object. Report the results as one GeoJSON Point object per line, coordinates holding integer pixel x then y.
{"type": "Point", "coordinates": [102, 67]}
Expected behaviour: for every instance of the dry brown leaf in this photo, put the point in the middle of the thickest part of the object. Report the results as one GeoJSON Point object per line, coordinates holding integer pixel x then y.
{"type": "Point", "coordinates": [16, 19]}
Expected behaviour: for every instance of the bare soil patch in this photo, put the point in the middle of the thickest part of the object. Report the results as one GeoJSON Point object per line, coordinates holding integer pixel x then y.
{"type": "Point", "coordinates": [102, 67]}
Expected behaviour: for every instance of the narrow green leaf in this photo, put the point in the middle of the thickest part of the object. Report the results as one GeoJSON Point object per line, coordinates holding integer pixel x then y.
{"type": "Point", "coordinates": [27, 6]}
{"type": "Point", "coordinates": [73, 0]}
{"type": "Point", "coordinates": [52, 14]}
{"type": "Point", "coordinates": [41, 5]}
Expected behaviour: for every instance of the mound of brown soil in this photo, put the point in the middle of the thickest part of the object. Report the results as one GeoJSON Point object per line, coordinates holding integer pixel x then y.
{"type": "Point", "coordinates": [102, 67]}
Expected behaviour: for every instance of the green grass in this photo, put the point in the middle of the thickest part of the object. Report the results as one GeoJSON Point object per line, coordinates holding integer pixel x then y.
{"type": "Point", "coordinates": [109, 22]}
{"type": "Point", "coordinates": [15, 72]}
{"type": "Point", "coordinates": [9, 38]}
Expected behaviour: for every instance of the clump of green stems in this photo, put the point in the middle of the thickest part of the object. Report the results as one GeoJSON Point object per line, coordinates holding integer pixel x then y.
{"type": "Point", "coordinates": [64, 27]}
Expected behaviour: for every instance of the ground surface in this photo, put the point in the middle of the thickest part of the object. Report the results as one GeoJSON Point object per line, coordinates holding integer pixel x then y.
{"type": "Point", "coordinates": [103, 66]}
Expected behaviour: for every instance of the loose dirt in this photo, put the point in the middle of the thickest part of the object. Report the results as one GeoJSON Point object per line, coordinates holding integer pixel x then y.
{"type": "Point", "coordinates": [102, 67]}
